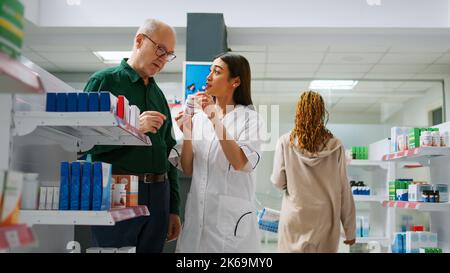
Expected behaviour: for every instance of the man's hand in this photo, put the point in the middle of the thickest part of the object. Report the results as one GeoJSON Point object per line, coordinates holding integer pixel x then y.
{"type": "Point", "coordinates": [350, 242]}
{"type": "Point", "coordinates": [174, 227]}
{"type": "Point", "coordinates": [151, 121]}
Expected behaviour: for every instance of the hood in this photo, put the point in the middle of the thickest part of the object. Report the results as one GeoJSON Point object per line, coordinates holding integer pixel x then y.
{"type": "Point", "coordinates": [330, 147]}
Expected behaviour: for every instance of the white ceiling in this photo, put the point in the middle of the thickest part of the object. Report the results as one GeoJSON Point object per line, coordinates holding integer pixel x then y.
{"type": "Point", "coordinates": [283, 61]}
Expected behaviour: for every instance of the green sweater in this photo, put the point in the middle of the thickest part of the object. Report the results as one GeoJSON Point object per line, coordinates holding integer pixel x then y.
{"type": "Point", "coordinates": [123, 80]}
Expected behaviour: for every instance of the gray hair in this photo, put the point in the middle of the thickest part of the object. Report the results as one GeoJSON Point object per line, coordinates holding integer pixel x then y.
{"type": "Point", "coordinates": [151, 25]}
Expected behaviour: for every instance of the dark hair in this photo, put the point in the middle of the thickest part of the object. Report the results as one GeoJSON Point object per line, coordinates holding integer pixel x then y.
{"type": "Point", "coordinates": [239, 67]}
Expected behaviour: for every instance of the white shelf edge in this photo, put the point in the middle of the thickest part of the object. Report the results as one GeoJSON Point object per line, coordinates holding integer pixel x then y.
{"type": "Point", "coordinates": [368, 198]}
{"type": "Point", "coordinates": [76, 217]}
{"type": "Point", "coordinates": [79, 131]}
{"type": "Point", "coordinates": [18, 78]}
{"type": "Point", "coordinates": [418, 154]}
{"type": "Point", "coordinates": [368, 239]}
{"type": "Point", "coordinates": [421, 206]}
{"type": "Point", "coordinates": [368, 163]}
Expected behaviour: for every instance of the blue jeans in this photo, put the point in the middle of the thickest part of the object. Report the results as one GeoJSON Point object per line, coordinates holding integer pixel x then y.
{"type": "Point", "coordinates": [147, 233]}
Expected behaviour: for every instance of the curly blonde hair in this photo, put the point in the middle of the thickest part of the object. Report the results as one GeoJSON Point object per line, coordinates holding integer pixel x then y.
{"type": "Point", "coordinates": [309, 132]}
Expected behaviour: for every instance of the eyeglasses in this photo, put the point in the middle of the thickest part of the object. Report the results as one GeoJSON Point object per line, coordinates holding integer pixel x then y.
{"type": "Point", "coordinates": [160, 51]}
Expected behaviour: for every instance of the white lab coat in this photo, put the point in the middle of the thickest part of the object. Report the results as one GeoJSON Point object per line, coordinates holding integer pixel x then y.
{"type": "Point", "coordinates": [220, 214]}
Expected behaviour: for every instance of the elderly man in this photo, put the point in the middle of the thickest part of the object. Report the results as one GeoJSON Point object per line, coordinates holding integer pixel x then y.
{"type": "Point", "coordinates": [154, 45]}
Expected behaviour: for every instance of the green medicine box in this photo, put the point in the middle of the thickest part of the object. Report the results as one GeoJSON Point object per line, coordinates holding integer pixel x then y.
{"type": "Point", "coordinates": [11, 27]}
{"type": "Point", "coordinates": [414, 137]}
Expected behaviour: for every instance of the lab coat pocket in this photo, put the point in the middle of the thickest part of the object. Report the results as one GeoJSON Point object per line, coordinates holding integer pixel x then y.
{"type": "Point", "coordinates": [234, 217]}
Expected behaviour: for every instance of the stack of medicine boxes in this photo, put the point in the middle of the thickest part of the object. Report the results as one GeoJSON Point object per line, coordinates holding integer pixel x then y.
{"type": "Point", "coordinates": [94, 102]}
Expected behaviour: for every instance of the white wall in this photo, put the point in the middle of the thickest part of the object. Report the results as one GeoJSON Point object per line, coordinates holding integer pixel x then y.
{"type": "Point", "coordinates": [415, 112]}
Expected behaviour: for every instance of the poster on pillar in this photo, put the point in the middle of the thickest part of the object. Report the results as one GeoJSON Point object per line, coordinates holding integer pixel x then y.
{"type": "Point", "coordinates": [194, 77]}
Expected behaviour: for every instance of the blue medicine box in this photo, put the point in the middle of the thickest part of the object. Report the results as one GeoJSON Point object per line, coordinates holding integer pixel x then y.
{"type": "Point", "coordinates": [94, 102]}
{"type": "Point", "coordinates": [61, 102]}
{"type": "Point", "coordinates": [83, 99]}
{"type": "Point", "coordinates": [72, 102]}
{"type": "Point", "coordinates": [50, 104]}
{"type": "Point", "coordinates": [75, 183]}
{"type": "Point", "coordinates": [64, 186]}
{"type": "Point", "coordinates": [97, 186]}
{"type": "Point", "coordinates": [86, 186]}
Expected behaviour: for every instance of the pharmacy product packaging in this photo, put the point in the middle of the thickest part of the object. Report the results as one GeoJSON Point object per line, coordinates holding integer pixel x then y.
{"type": "Point", "coordinates": [55, 198]}
{"type": "Point", "coordinates": [42, 198]}
{"type": "Point", "coordinates": [64, 186]}
{"type": "Point", "coordinates": [86, 186]}
{"type": "Point", "coordinates": [97, 186]}
{"type": "Point", "coordinates": [108, 102]}
{"type": "Point", "coordinates": [11, 27]}
{"type": "Point", "coordinates": [30, 191]}
{"type": "Point", "coordinates": [50, 104]}
{"type": "Point", "coordinates": [75, 185]}
{"type": "Point", "coordinates": [61, 102]}
{"type": "Point", "coordinates": [119, 196]}
{"type": "Point", "coordinates": [415, 191]}
{"type": "Point", "coordinates": [132, 188]}
{"type": "Point", "coordinates": [395, 133]}
{"type": "Point", "coordinates": [365, 226]}
{"type": "Point", "coordinates": [49, 199]}
{"type": "Point", "coordinates": [83, 102]}
{"type": "Point", "coordinates": [416, 240]}
{"type": "Point", "coordinates": [72, 102]}
{"type": "Point", "coordinates": [134, 116]}
{"type": "Point", "coordinates": [11, 198]}
{"type": "Point", "coordinates": [94, 102]}
{"type": "Point", "coordinates": [106, 186]}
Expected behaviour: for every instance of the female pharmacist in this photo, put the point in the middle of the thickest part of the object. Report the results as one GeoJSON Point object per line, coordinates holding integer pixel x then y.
{"type": "Point", "coordinates": [309, 164]}
{"type": "Point", "coordinates": [221, 149]}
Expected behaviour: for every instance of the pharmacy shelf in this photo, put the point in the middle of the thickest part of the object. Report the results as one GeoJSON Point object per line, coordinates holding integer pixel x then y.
{"type": "Point", "coordinates": [369, 163]}
{"type": "Point", "coordinates": [15, 236]}
{"type": "Point", "coordinates": [368, 198]}
{"type": "Point", "coordinates": [422, 206]}
{"type": "Point", "coordinates": [17, 78]}
{"type": "Point", "coordinates": [92, 218]}
{"type": "Point", "coordinates": [79, 131]}
{"type": "Point", "coordinates": [418, 154]}
{"type": "Point", "coordinates": [383, 240]}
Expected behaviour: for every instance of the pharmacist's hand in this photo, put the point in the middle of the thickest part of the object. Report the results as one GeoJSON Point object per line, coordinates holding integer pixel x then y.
{"type": "Point", "coordinates": [350, 242]}
{"type": "Point", "coordinates": [151, 121]}
{"type": "Point", "coordinates": [207, 104]}
{"type": "Point", "coordinates": [184, 121]}
{"type": "Point", "coordinates": [174, 227]}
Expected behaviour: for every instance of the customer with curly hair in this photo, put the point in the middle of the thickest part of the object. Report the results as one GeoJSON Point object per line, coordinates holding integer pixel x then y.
{"type": "Point", "coordinates": [309, 164]}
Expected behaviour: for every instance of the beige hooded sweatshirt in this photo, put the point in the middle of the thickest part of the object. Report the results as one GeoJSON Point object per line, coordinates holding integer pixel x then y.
{"type": "Point", "coordinates": [317, 200]}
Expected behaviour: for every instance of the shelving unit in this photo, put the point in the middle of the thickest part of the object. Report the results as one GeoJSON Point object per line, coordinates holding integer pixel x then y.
{"type": "Point", "coordinates": [418, 154]}
{"type": "Point", "coordinates": [30, 136]}
{"type": "Point", "coordinates": [79, 131]}
{"type": "Point", "coordinates": [92, 218]}
{"type": "Point", "coordinates": [369, 163]}
{"type": "Point", "coordinates": [16, 236]}
{"type": "Point", "coordinates": [422, 206]}
{"type": "Point", "coordinates": [15, 77]}
{"type": "Point", "coordinates": [369, 198]}
{"type": "Point", "coordinates": [374, 172]}
{"type": "Point", "coordinates": [382, 240]}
